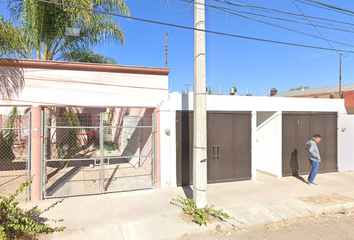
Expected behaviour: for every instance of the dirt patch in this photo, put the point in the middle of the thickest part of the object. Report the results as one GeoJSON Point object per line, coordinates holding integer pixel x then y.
{"type": "Point", "coordinates": [328, 226]}
{"type": "Point", "coordinates": [325, 199]}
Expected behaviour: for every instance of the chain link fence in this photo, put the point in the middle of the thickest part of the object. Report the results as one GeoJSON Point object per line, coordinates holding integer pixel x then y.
{"type": "Point", "coordinates": [85, 160]}
{"type": "Point", "coordinates": [14, 152]}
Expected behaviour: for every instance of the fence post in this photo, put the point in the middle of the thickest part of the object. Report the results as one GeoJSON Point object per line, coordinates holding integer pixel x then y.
{"type": "Point", "coordinates": [29, 155]}
{"type": "Point", "coordinates": [42, 153]}
{"type": "Point", "coordinates": [36, 152]}
{"type": "Point", "coordinates": [153, 132]}
{"type": "Point", "coordinates": [101, 153]}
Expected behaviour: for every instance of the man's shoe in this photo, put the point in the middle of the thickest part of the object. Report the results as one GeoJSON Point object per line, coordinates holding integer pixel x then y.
{"type": "Point", "coordinates": [312, 184]}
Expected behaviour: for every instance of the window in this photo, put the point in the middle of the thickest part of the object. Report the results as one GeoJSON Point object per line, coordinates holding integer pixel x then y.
{"type": "Point", "coordinates": [84, 122]}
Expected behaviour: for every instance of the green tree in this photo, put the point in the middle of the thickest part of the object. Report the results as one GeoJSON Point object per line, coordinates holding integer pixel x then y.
{"type": "Point", "coordinates": [41, 32]}
{"type": "Point", "coordinates": [209, 91]}
{"type": "Point", "coordinates": [299, 88]}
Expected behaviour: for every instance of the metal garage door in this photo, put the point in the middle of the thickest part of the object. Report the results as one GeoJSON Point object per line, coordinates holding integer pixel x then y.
{"type": "Point", "coordinates": [229, 146]}
{"type": "Point", "coordinates": [298, 128]}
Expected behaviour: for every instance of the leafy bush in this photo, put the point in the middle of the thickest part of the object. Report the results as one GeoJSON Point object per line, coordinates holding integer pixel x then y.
{"type": "Point", "coordinates": [200, 215]}
{"type": "Point", "coordinates": [15, 222]}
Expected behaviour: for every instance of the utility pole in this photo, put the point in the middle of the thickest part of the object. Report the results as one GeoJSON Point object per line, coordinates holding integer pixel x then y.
{"type": "Point", "coordinates": [166, 49]}
{"type": "Point", "coordinates": [340, 75]}
{"type": "Point", "coordinates": [200, 125]}
{"type": "Point", "coordinates": [187, 86]}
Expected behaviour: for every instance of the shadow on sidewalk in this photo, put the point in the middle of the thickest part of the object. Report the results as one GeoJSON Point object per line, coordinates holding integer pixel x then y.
{"type": "Point", "coordinates": [188, 191]}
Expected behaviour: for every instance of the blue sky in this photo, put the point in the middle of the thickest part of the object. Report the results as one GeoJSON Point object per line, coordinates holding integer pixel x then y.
{"type": "Point", "coordinates": [232, 61]}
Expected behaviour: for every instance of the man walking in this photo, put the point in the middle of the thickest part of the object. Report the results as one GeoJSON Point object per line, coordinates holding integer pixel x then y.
{"type": "Point", "coordinates": [314, 157]}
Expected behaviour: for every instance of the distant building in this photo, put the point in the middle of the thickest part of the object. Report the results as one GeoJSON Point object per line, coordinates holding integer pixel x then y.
{"type": "Point", "coordinates": [325, 92]}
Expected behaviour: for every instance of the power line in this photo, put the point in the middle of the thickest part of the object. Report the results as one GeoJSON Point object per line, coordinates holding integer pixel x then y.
{"type": "Point", "coordinates": [313, 26]}
{"type": "Point", "coordinates": [287, 28]}
{"type": "Point", "coordinates": [192, 28]}
{"type": "Point", "coordinates": [280, 11]}
{"type": "Point", "coordinates": [327, 7]}
{"type": "Point", "coordinates": [272, 17]}
{"type": "Point", "coordinates": [331, 6]}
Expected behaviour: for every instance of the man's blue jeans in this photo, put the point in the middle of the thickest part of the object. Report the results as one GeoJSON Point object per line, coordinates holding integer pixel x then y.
{"type": "Point", "coordinates": [314, 170]}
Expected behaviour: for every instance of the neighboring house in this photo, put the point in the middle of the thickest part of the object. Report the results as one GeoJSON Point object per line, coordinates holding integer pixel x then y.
{"type": "Point", "coordinates": [325, 92]}
{"type": "Point", "coordinates": [108, 146]}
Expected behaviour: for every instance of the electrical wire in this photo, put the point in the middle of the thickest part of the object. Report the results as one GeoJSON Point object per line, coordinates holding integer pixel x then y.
{"type": "Point", "coordinates": [331, 6]}
{"type": "Point", "coordinates": [313, 25]}
{"type": "Point", "coordinates": [280, 11]}
{"type": "Point", "coordinates": [328, 7]}
{"type": "Point", "coordinates": [171, 42]}
{"type": "Point", "coordinates": [272, 17]}
{"type": "Point", "coordinates": [289, 29]}
{"type": "Point", "coordinates": [197, 29]}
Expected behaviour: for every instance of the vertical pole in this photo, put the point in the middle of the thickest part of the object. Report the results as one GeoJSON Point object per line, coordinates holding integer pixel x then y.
{"type": "Point", "coordinates": [153, 132]}
{"type": "Point", "coordinates": [340, 75]}
{"type": "Point", "coordinates": [36, 152]}
{"type": "Point", "coordinates": [166, 49]}
{"type": "Point", "coordinates": [200, 128]}
{"type": "Point", "coordinates": [44, 157]}
{"type": "Point", "coordinates": [101, 153]}
{"type": "Point", "coordinates": [29, 155]}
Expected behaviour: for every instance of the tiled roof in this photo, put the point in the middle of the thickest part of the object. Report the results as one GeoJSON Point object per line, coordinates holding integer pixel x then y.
{"type": "Point", "coordinates": [319, 90]}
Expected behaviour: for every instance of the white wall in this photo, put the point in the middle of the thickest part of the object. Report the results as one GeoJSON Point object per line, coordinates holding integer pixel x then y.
{"type": "Point", "coordinates": [345, 142]}
{"type": "Point", "coordinates": [168, 175]}
{"type": "Point", "coordinates": [269, 142]}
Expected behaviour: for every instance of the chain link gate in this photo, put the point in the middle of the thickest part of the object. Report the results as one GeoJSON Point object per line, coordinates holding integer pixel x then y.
{"type": "Point", "coordinates": [15, 164]}
{"type": "Point", "coordinates": [85, 160]}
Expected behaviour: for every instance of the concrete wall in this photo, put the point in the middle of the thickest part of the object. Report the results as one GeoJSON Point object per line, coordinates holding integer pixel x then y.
{"type": "Point", "coordinates": [345, 142]}
{"type": "Point", "coordinates": [269, 137]}
{"type": "Point", "coordinates": [266, 111]}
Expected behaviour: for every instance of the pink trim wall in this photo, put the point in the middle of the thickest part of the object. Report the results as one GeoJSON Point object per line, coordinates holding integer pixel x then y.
{"type": "Point", "coordinates": [36, 153]}
{"type": "Point", "coordinates": [158, 148]}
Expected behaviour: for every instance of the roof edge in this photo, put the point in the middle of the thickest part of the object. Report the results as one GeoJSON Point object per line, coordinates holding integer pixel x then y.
{"type": "Point", "coordinates": [79, 66]}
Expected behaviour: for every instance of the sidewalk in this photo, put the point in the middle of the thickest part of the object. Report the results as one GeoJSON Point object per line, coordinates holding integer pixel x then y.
{"type": "Point", "coordinates": [149, 214]}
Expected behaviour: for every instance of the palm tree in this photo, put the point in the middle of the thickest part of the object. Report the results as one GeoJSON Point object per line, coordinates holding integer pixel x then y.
{"type": "Point", "coordinates": [41, 33]}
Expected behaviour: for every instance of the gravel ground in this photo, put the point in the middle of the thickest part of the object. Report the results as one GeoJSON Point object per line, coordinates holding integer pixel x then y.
{"type": "Point", "coordinates": [334, 226]}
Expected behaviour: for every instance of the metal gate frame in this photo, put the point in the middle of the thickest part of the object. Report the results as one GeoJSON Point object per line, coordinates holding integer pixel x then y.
{"type": "Point", "coordinates": [101, 159]}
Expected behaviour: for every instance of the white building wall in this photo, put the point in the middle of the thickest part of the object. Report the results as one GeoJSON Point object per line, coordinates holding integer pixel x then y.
{"type": "Point", "coordinates": [269, 142]}
{"type": "Point", "coordinates": [345, 142]}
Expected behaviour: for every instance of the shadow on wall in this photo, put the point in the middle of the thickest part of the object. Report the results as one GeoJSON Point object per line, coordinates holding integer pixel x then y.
{"type": "Point", "coordinates": [12, 82]}
{"type": "Point", "coordinates": [294, 165]}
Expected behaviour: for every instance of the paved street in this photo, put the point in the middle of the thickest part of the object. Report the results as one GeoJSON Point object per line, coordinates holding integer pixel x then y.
{"type": "Point", "coordinates": [337, 225]}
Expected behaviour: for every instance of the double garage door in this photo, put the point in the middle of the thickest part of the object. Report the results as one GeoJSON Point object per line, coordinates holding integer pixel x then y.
{"type": "Point", "coordinates": [228, 146]}
{"type": "Point", "coordinates": [298, 128]}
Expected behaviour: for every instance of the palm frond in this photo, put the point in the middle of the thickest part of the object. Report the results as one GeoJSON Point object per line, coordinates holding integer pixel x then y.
{"type": "Point", "coordinates": [88, 56]}
{"type": "Point", "coordinates": [13, 41]}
